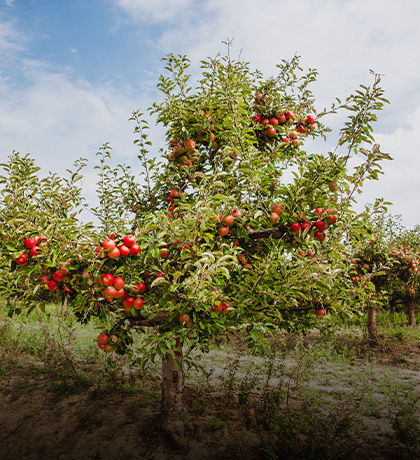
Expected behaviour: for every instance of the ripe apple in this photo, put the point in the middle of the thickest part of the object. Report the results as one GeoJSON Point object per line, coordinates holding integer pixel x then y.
{"type": "Point", "coordinates": [189, 145]}
{"type": "Point", "coordinates": [225, 306]}
{"type": "Point", "coordinates": [310, 119]}
{"type": "Point", "coordinates": [222, 231]}
{"type": "Point", "coordinates": [227, 221]}
{"type": "Point", "coordinates": [295, 227]}
{"type": "Point", "coordinates": [44, 279]}
{"type": "Point", "coordinates": [277, 208]}
{"type": "Point", "coordinates": [112, 236]}
{"type": "Point", "coordinates": [107, 347]}
{"type": "Point", "coordinates": [138, 303]}
{"type": "Point", "coordinates": [58, 276]}
{"type": "Point", "coordinates": [164, 253]}
{"type": "Point", "coordinates": [40, 239]}
{"type": "Point", "coordinates": [119, 282]}
{"type": "Point", "coordinates": [289, 115]}
{"type": "Point", "coordinates": [30, 243]}
{"type": "Point", "coordinates": [265, 121]}
{"type": "Point", "coordinates": [135, 249]}
{"type": "Point", "coordinates": [320, 236]}
{"type": "Point", "coordinates": [274, 121]}
{"type": "Point", "coordinates": [108, 245]}
{"type": "Point", "coordinates": [128, 301]}
{"type": "Point", "coordinates": [217, 307]}
{"type": "Point", "coordinates": [124, 250]}
{"type": "Point", "coordinates": [271, 131]}
{"type": "Point", "coordinates": [185, 318]}
{"type": "Point", "coordinates": [107, 279]}
{"type": "Point", "coordinates": [174, 193]}
{"type": "Point", "coordinates": [320, 312]}
{"type": "Point", "coordinates": [35, 251]}
{"type": "Point", "coordinates": [23, 258]}
{"type": "Point", "coordinates": [282, 118]}
{"type": "Point", "coordinates": [257, 118]}
{"type": "Point", "coordinates": [305, 225]}
{"type": "Point", "coordinates": [318, 211]}
{"type": "Point", "coordinates": [274, 218]}
{"type": "Point", "coordinates": [300, 128]}
{"type": "Point", "coordinates": [286, 140]}
{"type": "Point", "coordinates": [103, 339]}
{"type": "Point", "coordinates": [293, 134]}
{"type": "Point", "coordinates": [129, 240]}
{"type": "Point", "coordinates": [109, 293]}
{"type": "Point", "coordinates": [114, 253]}
{"type": "Point", "coordinates": [119, 294]}
{"type": "Point", "coordinates": [236, 213]}
{"type": "Point", "coordinates": [52, 285]}
{"type": "Point", "coordinates": [332, 219]}
{"type": "Point", "coordinates": [321, 225]}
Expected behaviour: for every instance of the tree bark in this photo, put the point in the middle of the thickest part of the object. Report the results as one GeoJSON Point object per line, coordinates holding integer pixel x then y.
{"type": "Point", "coordinates": [411, 313]}
{"type": "Point", "coordinates": [173, 410]}
{"type": "Point", "coordinates": [372, 323]}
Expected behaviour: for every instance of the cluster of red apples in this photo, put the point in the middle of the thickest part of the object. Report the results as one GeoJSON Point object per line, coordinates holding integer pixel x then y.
{"type": "Point", "coordinates": [109, 248]}
{"type": "Point", "coordinates": [173, 196]}
{"type": "Point", "coordinates": [107, 342]}
{"type": "Point", "coordinates": [114, 289]}
{"type": "Point", "coordinates": [33, 244]}
{"type": "Point", "coordinates": [302, 225]}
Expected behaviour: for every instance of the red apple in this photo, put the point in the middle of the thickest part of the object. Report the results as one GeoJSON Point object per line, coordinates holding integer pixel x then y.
{"type": "Point", "coordinates": [129, 240]}
{"type": "Point", "coordinates": [141, 287]}
{"type": "Point", "coordinates": [257, 118]}
{"type": "Point", "coordinates": [128, 302]}
{"type": "Point", "coordinates": [289, 115]}
{"type": "Point", "coordinates": [120, 293]}
{"type": "Point", "coordinates": [305, 225]}
{"type": "Point", "coordinates": [274, 121]}
{"type": "Point", "coordinates": [135, 249]}
{"type": "Point", "coordinates": [30, 243]}
{"type": "Point", "coordinates": [293, 134]}
{"type": "Point", "coordinates": [222, 231]}
{"type": "Point", "coordinates": [271, 131]}
{"type": "Point", "coordinates": [320, 236]}
{"type": "Point", "coordinates": [114, 253]}
{"type": "Point", "coordinates": [310, 119]}
{"type": "Point", "coordinates": [185, 318]}
{"type": "Point", "coordinates": [119, 282]}
{"type": "Point", "coordinates": [217, 307]}
{"type": "Point", "coordinates": [274, 218]}
{"type": "Point", "coordinates": [227, 221]}
{"type": "Point", "coordinates": [23, 258]}
{"type": "Point", "coordinates": [295, 227]}
{"type": "Point", "coordinates": [107, 279]}
{"type": "Point", "coordinates": [320, 312]}
{"type": "Point", "coordinates": [318, 211]}
{"type": "Point", "coordinates": [109, 293]}
{"type": "Point", "coordinates": [282, 118]}
{"type": "Point", "coordinates": [138, 303]}
{"type": "Point", "coordinates": [189, 145]}
{"type": "Point", "coordinates": [321, 225]}
{"type": "Point", "coordinates": [52, 285]}
{"type": "Point", "coordinates": [108, 245]}
{"type": "Point", "coordinates": [103, 339]}
{"type": "Point", "coordinates": [278, 209]}
{"type": "Point", "coordinates": [35, 251]}
{"type": "Point", "coordinates": [124, 250]}
{"type": "Point", "coordinates": [58, 276]}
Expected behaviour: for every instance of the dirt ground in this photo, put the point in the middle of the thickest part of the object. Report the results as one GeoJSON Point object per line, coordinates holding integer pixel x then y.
{"type": "Point", "coordinates": [39, 422]}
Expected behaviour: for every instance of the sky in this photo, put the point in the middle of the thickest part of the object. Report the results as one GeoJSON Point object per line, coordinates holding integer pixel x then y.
{"type": "Point", "coordinates": [72, 72]}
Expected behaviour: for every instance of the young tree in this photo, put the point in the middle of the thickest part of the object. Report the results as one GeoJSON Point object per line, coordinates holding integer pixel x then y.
{"type": "Point", "coordinates": [236, 228]}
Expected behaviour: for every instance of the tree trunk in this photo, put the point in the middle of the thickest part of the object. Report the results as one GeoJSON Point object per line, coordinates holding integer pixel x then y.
{"type": "Point", "coordinates": [173, 410]}
{"type": "Point", "coordinates": [411, 313]}
{"type": "Point", "coordinates": [372, 323]}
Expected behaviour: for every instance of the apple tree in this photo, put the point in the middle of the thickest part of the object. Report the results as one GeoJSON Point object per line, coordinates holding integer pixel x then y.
{"type": "Point", "coordinates": [236, 227]}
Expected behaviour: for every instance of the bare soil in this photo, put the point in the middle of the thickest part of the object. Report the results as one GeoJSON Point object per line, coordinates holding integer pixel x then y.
{"type": "Point", "coordinates": [368, 409]}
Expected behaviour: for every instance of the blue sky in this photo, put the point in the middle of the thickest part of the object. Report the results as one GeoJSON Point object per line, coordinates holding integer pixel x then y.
{"type": "Point", "coordinates": [71, 72]}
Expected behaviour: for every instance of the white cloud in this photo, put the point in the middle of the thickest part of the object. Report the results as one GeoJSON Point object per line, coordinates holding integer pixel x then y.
{"type": "Point", "coordinates": [156, 10]}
